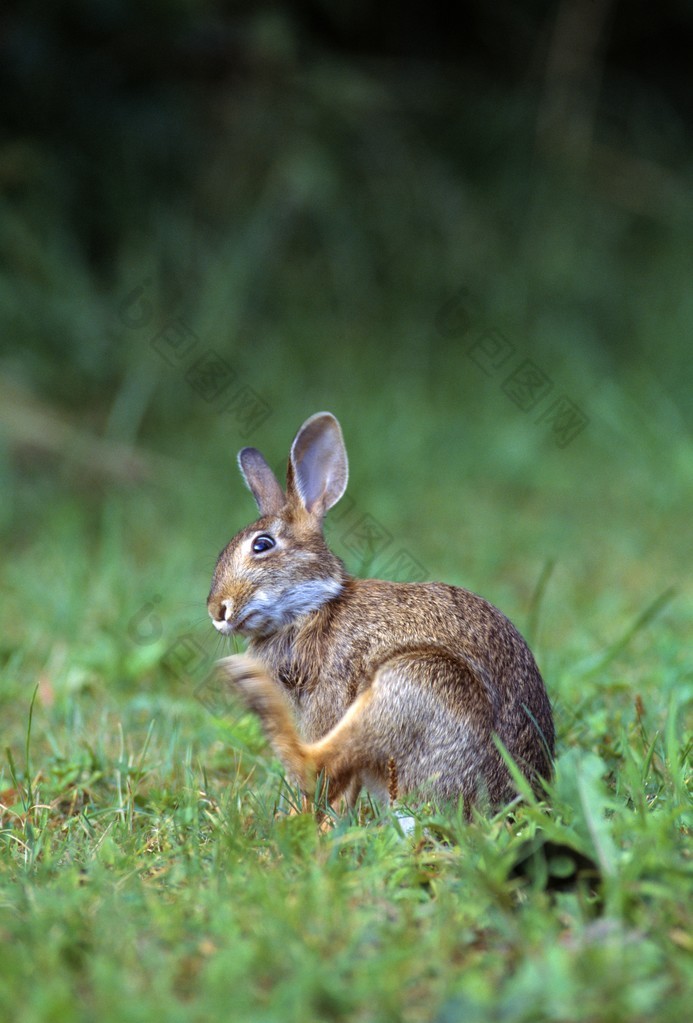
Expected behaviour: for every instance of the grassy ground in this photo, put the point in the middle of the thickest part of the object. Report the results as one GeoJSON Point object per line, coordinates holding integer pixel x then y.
{"type": "Point", "coordinates": [149, 868]}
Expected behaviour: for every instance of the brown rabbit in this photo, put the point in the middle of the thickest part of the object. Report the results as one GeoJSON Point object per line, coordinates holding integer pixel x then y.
{"type": "Point", "coordinates": [395, 687]}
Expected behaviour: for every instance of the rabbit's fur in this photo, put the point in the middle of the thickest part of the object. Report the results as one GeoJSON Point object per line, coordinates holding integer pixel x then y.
{"type": "Point", "coordinates": [395, 687]}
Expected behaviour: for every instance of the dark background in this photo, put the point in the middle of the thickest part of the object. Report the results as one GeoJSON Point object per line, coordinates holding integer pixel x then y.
{"type": "Point", "coordinates": [218, 218]}
{"type": "Point", "coordinates": [396, 153]}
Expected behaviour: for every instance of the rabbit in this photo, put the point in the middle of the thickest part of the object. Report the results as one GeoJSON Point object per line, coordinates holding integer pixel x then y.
{"type": "Point", "coordinates": [396, 688]}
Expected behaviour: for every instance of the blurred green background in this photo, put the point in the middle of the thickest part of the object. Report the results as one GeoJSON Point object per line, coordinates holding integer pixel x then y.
{"type": "Point", "coordinates": [467, 233]}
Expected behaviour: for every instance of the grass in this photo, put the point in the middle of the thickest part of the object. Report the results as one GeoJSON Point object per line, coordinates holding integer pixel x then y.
{"type": "Point", "coordinates": [150, 869]}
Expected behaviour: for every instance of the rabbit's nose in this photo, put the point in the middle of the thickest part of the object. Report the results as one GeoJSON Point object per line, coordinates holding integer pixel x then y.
{"type": "Point", "coordinates": [221, 613]}
{"type": "Point", "coordinates": [220, 610]}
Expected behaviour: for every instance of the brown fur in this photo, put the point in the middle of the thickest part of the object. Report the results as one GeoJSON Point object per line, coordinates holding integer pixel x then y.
{"type": "Point", "coordinates": [395, 687]}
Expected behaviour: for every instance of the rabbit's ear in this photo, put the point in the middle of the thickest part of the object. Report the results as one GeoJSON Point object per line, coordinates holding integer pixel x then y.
{"type": "Point", "coordinates": [262, 482]}
{"type": "Point", "coordinates": [318, 464]}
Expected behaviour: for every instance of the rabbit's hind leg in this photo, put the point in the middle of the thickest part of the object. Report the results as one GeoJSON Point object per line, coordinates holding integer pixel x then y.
{"type": "Point", "coordinates": [423, 724]}
{"type": "Point", "coordinates": [338, 758]}
{"type": "Point", "coordinates": [305, 763]}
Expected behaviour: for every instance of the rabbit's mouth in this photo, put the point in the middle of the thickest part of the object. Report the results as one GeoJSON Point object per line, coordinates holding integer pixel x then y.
{"type": "Point", "coordinates": [248, 623]}
{"type": "Point", "coordinates": [222, 626]}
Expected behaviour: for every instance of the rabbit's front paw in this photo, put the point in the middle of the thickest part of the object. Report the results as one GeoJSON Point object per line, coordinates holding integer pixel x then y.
{"type": "Point", "coordinates": [248, 678]}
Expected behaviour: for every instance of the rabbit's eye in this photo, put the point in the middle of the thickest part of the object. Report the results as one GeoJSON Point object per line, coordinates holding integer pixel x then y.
{"type": "Point", "coordinates": [264, 542]}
